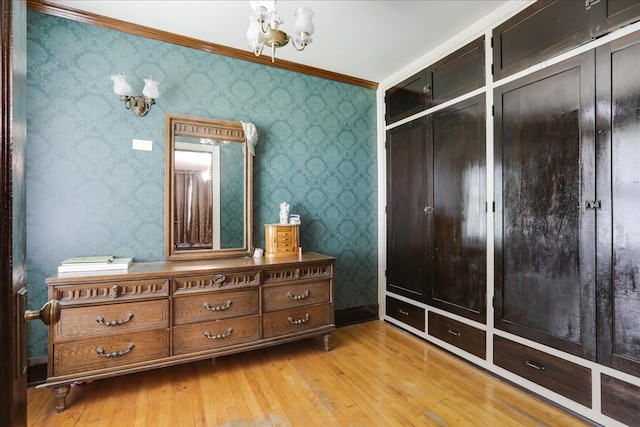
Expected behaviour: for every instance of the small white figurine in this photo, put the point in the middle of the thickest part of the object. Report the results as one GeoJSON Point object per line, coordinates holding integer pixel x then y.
{"type": "Point", "coordinates": [284, 213]}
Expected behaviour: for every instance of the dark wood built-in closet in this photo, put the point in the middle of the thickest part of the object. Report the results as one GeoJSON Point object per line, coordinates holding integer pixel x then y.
{"type": "Point", "coordinates": [565, 203]}
{"type": "Point", "coordinates": [436, 173]}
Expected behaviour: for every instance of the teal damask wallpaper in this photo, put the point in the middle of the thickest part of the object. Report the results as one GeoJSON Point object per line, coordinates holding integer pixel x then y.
{"type": "Point", "coordinates": [89, 193]}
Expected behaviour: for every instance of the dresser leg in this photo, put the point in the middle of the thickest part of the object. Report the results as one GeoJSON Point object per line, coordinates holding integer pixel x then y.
{"type": "Point", "coordinates": [327, 342]}
{"type": "Point", "coordinates": [60, 396]}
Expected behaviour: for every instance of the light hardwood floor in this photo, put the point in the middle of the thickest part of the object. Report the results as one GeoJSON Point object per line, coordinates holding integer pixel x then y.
{"type": "Point", "coordinates": [375, 375]}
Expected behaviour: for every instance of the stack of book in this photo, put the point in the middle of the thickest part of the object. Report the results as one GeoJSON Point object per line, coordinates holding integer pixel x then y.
{"type": "Point", "coordinates": [93, 263]}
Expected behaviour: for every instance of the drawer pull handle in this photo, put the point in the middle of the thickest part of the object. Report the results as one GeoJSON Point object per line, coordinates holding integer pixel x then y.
{"type": "Point", "coordinates": [299, 297]}
{"type": "Point", "coordinates": [305, 319]}
{"type": "Point", "coordinates": [102, 353]}
{"type": "Point", "coordinates": [456, 333]}
{"type": "Point", "coordinates": [118, 322]}
{"type": "Point", "coordinates": [401, 311]}
{"type": "Point", "coordinates": [218, 336]}
{"type": "Point", "coordinates": [218, 280]}
{"type": "Point", "coordinates": [535, 365]}
{"type": "Point", "coordinates": [218, 307]}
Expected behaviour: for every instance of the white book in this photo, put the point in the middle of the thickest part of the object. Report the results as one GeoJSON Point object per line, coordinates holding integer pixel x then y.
{"type": "Point", "coordinates": [116, 264]}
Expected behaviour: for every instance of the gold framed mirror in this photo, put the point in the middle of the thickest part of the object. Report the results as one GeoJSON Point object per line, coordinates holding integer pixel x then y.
{"type": "Point", "coordinates": [208, 189]}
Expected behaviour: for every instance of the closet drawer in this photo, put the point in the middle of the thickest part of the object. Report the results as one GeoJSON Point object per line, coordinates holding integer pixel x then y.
{"type": "Point", "coordinates": [620, 400]}
{"type": "Point", "coordinates": [218, 333]}
{"type": "Point", "coordinates": [559, 375]}
{"type": "Point", "coordinates": [215, 305]}
{"type": "Point", "coordinates": [456, 333]}
{"type": "Point", "coordinates": [295, 295]}
{"type": "Point", "coordinates": [406, 313]}
{"type": "Point", "coordinates": [109, 352]}
{"type": "Point", "coordinates": [296, 320]}
{"type": "Point", "coordinates": [102, 320]}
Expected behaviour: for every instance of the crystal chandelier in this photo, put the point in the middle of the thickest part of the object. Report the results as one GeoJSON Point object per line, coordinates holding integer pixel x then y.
{"type": "Point", "coordinates": [264, 28]}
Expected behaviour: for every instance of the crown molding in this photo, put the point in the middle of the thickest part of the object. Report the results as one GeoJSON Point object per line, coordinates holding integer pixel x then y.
{"type": "Point", "coordinates": [60, 11]}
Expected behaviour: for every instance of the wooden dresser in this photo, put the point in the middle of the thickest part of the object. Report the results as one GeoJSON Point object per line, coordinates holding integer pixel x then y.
{"type": "Point", "coordinates": [160, 314]}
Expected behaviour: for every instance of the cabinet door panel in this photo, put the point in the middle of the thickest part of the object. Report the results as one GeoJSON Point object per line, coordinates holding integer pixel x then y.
{"type": "Point", "coordinates": [458, 73]}
{"type": "Point", "coordinates": [545, 240]}
{"type": "Point", "coordinates": [619, 229]}
{"type": "Point", "coordinates": [626, 206]}
{"type": "Point", "coordinates": [622, 12]}
{"type": "Point", "coordinates": [544, 30]}
{"type": "Point", "coordinates": [407, 184]}
{"type": "Point", "coordinates": [408, 97]}
{"type": "Point", "coordinates": [458, 283]}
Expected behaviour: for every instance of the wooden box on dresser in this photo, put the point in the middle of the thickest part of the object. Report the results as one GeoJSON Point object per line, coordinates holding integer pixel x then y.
{"type": "Point", "coordinates": [160, 314]}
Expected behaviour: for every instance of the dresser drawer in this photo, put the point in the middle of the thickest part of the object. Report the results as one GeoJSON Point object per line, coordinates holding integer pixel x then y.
{"type": "Point", "coordinates": [218, 333]}
{"type": "Point", "coordinates": [211, 282]}
{"type": "Point", "coordinates": [295, 295]}
{"type": "Point", "coordinates": [296, 320]}
{"type": "Point", "coordinates": [456, 333]}
{"type": "Point", "coordinates": [620, 400]}
{"type": "Point", "coordinates": [112, 319]}
{"type": "Point", "coordinates": [559, 375]}
{"type": "Point", "coordinates": [110, 291]}
{"type": "Point", "coordinates": [406, 313]}
{"type": "Point", "coordinates": [215, 305]}
{"type": "Point", "coordinates": [302, 272]}
{"type": "Point", "coordinates": [109, 352]}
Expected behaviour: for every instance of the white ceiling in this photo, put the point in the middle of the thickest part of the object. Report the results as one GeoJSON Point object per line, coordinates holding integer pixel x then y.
{"type": "Point", "coordinates": [370, 40]}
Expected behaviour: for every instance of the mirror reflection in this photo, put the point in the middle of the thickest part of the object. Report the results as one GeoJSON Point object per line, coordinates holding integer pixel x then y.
{"type": "Point", "coordinates": [209, 176]}
{"type": "Point", "coordinates": [209, 189]}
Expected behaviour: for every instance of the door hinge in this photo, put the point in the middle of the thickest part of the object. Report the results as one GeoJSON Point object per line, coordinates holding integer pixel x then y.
{"type": "Point", "coordinates": [589, 3]}
{"type": "Point", "coordinates": [593, 204]}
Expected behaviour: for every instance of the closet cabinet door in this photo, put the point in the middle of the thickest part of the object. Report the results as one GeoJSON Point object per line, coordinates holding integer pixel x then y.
{"type": "Point", "coordinates": [618, 83]}
{"type": "Point", "coordinates": [408, 97]}
{"type": "Point", "coordinates": [622, 12]}
{"type": "Point", "coordinates": [458, 280]}
{"type": "Point", "coordinates": [543, 30]}
{"type": "Point", "coordinates": [407, 203]}
{"type": "Point", "coordinates": [544, 175]}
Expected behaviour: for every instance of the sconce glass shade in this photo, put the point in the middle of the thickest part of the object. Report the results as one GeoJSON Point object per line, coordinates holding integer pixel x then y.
{"type": "Point", "coordinates": [304, 23]}
{"type": "Point", "coordinates": [120, 85]}
{"type": "Point", "coordinates": [150, 89]}
{"type": "Point", "coordinates": [252, 34]}
{"type": "Point", "coordinates": [268, 5]}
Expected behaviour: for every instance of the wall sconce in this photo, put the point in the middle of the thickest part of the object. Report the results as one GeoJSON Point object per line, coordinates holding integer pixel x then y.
{"type": "Point", "coordinates": [140, 105]}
